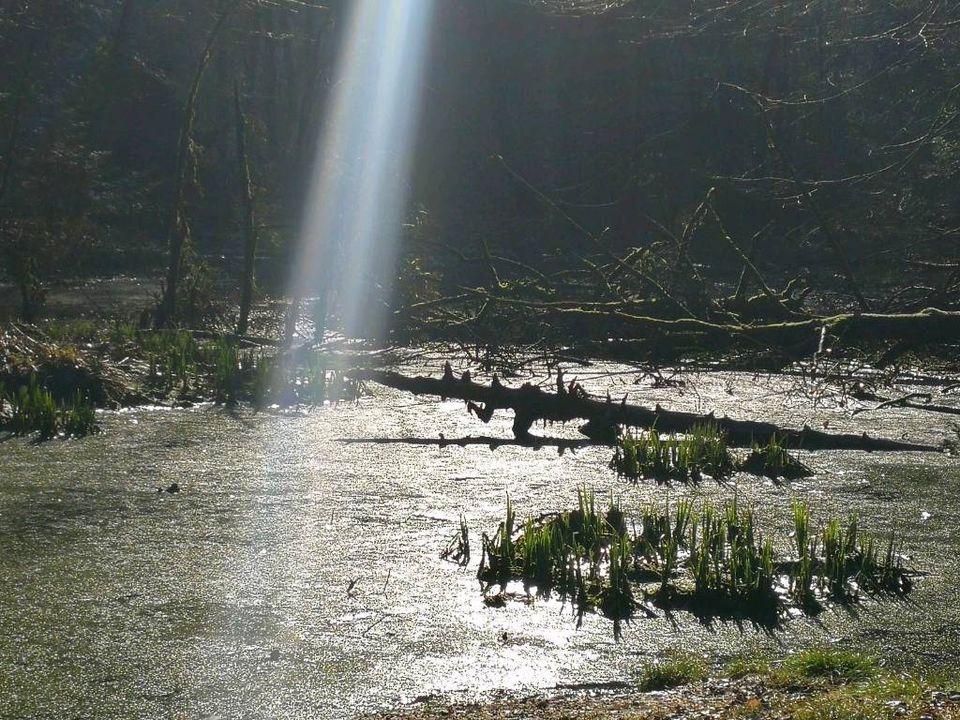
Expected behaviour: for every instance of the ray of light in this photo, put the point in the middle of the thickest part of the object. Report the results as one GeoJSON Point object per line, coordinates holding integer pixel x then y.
{"type": "Point", "coordinates": [360, 186]}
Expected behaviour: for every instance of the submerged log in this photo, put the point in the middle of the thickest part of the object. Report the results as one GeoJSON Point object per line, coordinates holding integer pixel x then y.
{"type": "Point", "coordinates": [531, 404]}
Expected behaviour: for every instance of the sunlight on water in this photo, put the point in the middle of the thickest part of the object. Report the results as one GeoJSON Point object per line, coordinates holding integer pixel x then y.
{"type": "Point", "coordinates": [360, 184]}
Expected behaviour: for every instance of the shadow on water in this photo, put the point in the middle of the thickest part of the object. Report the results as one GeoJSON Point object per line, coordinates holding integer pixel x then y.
{"type": "Point", "coordinates": [533, 442]}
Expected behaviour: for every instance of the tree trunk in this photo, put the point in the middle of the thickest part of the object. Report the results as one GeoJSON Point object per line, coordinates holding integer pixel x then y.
{"type": "Point", "coordinates": [123, 30]}
{"type": "Point", "coordinates": [17, 253]}
{"type": "Point", "coordinates": [11, 146]}
{"type": "Point", "coordinates": [290, 327]}
{"type": "Point", "coordinates": [531, 404]}
{"type": "Point", "coordinates": [249, 223]}
{"type": "Point", "coordinates": [178, 231]}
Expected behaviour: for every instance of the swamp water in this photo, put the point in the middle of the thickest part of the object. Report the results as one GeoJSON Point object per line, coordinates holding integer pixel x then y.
{"type": "Point", "coordinates": [230, 598]}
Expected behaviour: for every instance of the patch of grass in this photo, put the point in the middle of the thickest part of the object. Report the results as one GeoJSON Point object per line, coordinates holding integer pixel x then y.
{"type": "Point", "coordinates": [729, 557]}
{"type": "Point", "coordinates": [882, 697]}
{"type": "Point", "coordinates": [710, 560]}
{"type": "Point", "coordinates": [829, 664]}
{"type": "Point", "coordinates": [78, 417]}
{"type": "Point", "coordinates": [686, 458]}
{"type": "Point", "coordinates": [229, 368]}
{"type": "Point", "coordinates": [31, 408]}
{"type": "Point", "coordinates": [774, 460]}
{"type": "Point", "coordinates": [843, 705]}
{"type": "Point", "coordinates": [79, 330]}
{"type": "Point", "coordinates": [173, 357]}
{"type": "Point", "coordinates": [122, 332]}
{"type": "Point", "coordinates": [745, 665]}
{"type": "Point", "coordinates": [674, 672]}
{"type": "Point", "coordinates": [802, 577]}
{"type": "Point", "coordinates": [264, 376]}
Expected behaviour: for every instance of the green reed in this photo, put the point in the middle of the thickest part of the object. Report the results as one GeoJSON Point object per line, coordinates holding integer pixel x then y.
{"type": "Point", "coordinates": [704, 557]}
{"type": "Point", "coordinates": [685, 458]}
{"type": "Point", "coordinates": [31, 408]}
{"type": "Point", "coordinates": [774, 460]}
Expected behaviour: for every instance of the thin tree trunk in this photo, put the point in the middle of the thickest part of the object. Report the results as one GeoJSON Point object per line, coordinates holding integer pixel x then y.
{"type": "Point", "coordinates": [123, 30]}
{"type": "Point", "coordinates": [12, 139]}
{"type": "Point", "coordinates": [16, 252]}
{"type": "Point", "coordinates": [178, 231]}
{"type": "Point", "coordinates": [249, 223]}
{"type": "Point", "coordinates": [293, 314]}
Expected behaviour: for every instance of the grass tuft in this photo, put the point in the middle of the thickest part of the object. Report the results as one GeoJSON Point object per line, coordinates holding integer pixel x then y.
{"type": "Point", "coordinates": [830, 664]}
{"type": "Point", "coordinates": [710, 560]}
{"type": "Point", "coordinates": [745, 665]}
{"type": "Point", "coordinates": [674, 672]}
{"type": "Point", "coordinates": [686, 458]}
{"type": "Point", "coordinates": [774, 460]}
{"type": "Point", "coordinates": [31, 408]}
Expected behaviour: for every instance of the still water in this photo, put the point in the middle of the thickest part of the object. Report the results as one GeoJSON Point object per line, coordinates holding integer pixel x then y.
{"type": "Point", "coordinates": [230, 598]}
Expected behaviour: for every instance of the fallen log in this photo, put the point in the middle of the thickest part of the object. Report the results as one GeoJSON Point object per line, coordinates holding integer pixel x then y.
{"type": "Point", "coordinates": [530, 404]}
{"type": "Point", "coordinates": [621, 331]}
{"type": "Point", "coordinates": [907, 402]}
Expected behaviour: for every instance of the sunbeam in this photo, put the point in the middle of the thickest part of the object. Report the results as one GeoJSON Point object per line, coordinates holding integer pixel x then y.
{"type": "Point", "coordinates": [360, 182]}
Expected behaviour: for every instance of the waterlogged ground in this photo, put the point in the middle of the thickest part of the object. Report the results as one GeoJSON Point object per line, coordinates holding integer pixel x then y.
{"type": "Point", "coordinates": [230, 599]}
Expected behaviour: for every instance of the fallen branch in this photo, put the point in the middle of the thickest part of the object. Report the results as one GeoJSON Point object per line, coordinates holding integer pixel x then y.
{"type": "Point", "coordinates": [798, 337]}
{"type": "Point", "coordinates": [531, 404]}
{"type": "Point", "coordinates": [906, 402]}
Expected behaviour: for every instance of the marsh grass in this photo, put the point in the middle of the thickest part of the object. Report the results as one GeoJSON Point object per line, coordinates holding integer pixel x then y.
{"type": "Point", "coordinates": [774, 460]}
{"type": "Point", "coordinates": [228, 370]}
{"type": "Point", "coordinates": [263, 392]}
{"type": "Point", "coordinates": [684, 458]}
{"type": "Point", "coordinates": [730, 559]}
{"type": "Point", "coordinates": [173, 356]}
{"type": "Point", "coordinates": [122, 332]}
{"type": "Point", "coordinates": [801, 579]}
{"type": "Point", "coordinates": [458, 549]}
{"type": "Point", "coordinates": [707, 559]}
{"type": "Point", "coordinates": [828, 683]}
{"type": "Point", "coordinates": [826, 664]}
{"type": "Point", "coordinates": [79, 330]}
{"type": "Point", "coordinates": [702, 452]}
{"type": "Point", "coordinates": [31, 408]}
{"type": "Point", "coordinates": [677, 671]}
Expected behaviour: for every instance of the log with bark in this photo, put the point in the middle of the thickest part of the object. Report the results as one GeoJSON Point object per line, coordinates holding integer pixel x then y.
{"type": "Point", "coordinates": [568, 403]}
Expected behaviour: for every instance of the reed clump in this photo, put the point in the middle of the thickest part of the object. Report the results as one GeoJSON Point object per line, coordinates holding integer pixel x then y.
{"type": "Point", "coordinates": [173, 358]}
{"type": "Point", "coordinates": [703, 451]}
{"type": "Point", "coordinates": [704, 558]}
{"type": "Point", "coordinates": [685, 458]}
{"type": "Point", "coordinates": [458, 548]}
{"type": "Point", "coordinates": [31, 408]}
{"type": "Point", "coordinates": [774, 460]}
